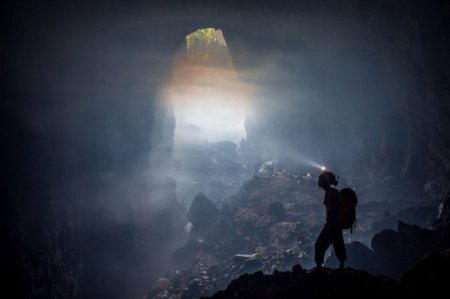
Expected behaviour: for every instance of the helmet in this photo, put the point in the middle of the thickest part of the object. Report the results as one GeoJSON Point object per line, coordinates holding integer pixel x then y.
{"type": "Point", "coordinates": [327, 178]}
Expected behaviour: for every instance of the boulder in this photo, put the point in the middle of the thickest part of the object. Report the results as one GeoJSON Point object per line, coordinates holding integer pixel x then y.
{"type": "Point", "coordinates": [203, 215]}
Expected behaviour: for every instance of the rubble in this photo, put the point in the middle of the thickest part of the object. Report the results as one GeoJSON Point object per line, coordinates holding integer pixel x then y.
{"type": "Point", "coordinates": [270, 225]}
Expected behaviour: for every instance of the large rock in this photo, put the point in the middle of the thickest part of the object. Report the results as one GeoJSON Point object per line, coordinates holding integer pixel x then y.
{"type": "Point", "coordinates": [399, 249]}
{"type": "Point", "coordinates": [429, 273]}
{"type": "Point", "coordinates": [359, 257]}
{"type": "Point", "coordinates": [202, 214]}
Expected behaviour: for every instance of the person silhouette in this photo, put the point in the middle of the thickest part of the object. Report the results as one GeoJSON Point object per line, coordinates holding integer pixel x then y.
{"type": "Point", "coordinates": [331, 232]}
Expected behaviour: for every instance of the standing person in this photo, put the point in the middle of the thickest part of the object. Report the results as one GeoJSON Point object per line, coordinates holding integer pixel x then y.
{"type": "Point", "coordinates": [331, 232]}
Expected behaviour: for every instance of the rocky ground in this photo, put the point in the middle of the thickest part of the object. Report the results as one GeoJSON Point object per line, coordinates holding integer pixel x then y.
{"type": "Point", "coordinates": [427, 277]}
{"type": "Point", "coordinates": [271, 225]}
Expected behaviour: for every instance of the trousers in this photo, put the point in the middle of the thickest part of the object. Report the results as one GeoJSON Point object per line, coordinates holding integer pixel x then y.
{"type": "Point", "coordinates": [330, 234]}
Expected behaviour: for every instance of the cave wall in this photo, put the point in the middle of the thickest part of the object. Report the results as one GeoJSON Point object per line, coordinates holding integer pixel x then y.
{"type": "Point", "coordinates": [80, 91]}
{"type": "Point", "coordinates": [364, 89]}
{"type": "Point", "coordinates": [413, 40]}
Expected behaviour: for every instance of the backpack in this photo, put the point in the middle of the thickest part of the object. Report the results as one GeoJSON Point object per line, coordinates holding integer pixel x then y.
{"type": "Point", "coordinates": [347, 209]}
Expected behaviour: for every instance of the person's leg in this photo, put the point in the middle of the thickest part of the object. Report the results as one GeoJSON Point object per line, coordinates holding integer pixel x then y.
{"type": "Point", "coordinates": [339, 248]}
{"type": "Point", "coordinates": [321, 246]}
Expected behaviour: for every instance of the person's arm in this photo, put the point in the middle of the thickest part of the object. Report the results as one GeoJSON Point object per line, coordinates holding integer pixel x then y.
{"type": "Point", "coordinates": [326, 201]}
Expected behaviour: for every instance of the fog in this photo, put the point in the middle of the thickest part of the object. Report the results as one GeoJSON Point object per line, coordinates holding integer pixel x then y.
{"type": "Point", "coordinates": [99, 172]}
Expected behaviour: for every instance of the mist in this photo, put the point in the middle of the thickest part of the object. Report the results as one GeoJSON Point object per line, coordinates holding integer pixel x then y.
{"type": "Point", "coordinates": [98, 179]}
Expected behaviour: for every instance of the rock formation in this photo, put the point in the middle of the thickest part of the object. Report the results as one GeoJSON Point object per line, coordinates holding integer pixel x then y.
{"type": "Point", "coordinates": [203, 215]}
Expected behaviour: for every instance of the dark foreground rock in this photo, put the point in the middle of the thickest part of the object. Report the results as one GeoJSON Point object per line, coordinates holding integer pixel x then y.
{"type": "Point", "coordinates": [299, 283]}
{"type": "Point", "coordinates": [430, 275]}
{"type": "Point", "coordinates": [427, 277]}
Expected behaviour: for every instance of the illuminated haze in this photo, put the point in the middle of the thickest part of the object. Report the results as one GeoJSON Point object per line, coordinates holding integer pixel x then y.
{"type": "Point", "coordinates": [102, 100]}
{"type": "Point", "coordinates": [205, 91]}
